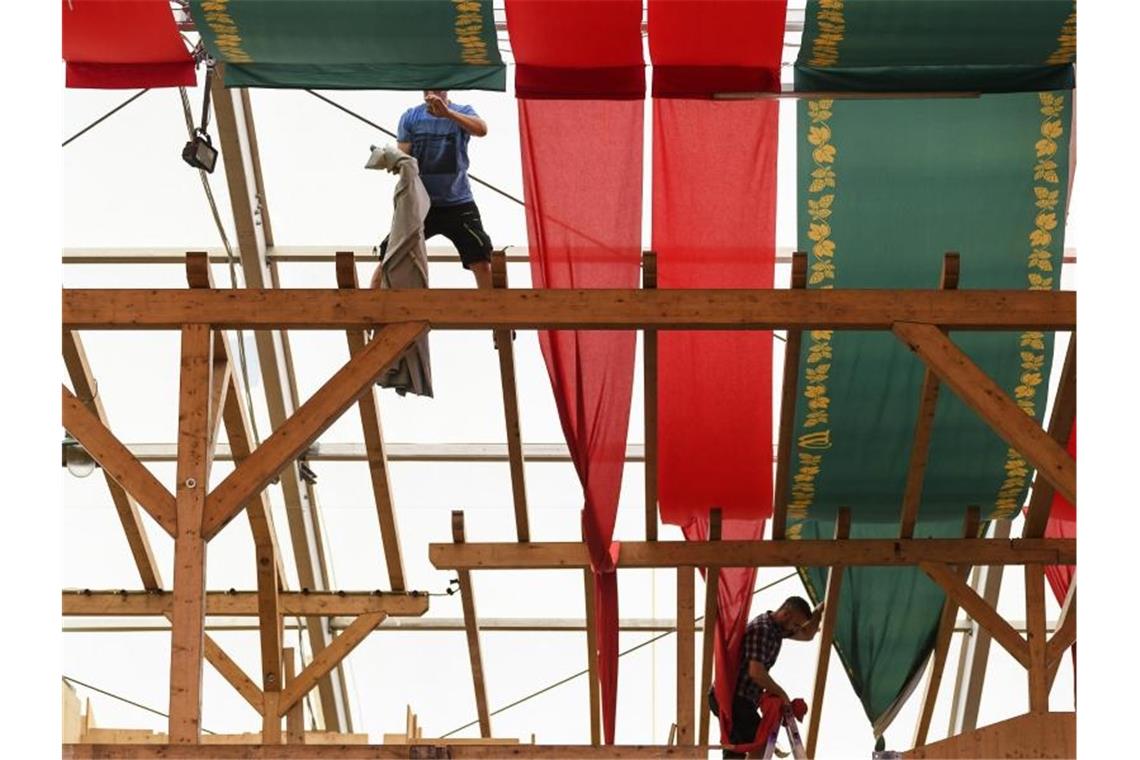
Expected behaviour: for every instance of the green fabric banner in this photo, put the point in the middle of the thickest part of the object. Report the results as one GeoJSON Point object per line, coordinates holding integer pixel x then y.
{"type": "Point", "coordinates": [353, 44]}
{"type": "Point", "coordinates": [885, 188]}
{"type": "Point", "coordinates": [937, 45]}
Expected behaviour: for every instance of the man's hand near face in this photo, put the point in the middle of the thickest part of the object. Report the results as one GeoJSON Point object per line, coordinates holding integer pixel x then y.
{"type": "Point", "coordinates": [435, 105]}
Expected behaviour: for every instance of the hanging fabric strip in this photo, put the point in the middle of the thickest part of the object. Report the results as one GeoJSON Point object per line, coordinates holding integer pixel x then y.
{"type": "Point", "coordinates": [124, 44]}
{"type": "Point", "coordinates": [1062, 524]}
{"type": "Point", "coordinates": [702, 48]}
{"type": "Point", "coordinates": [938, 45]}
{"type": "Point", "coordinates": [353, 44]}
{"type": "Point", "coordinates": [567, 49]}
{"type": "Point", "coordinates": [714, 210]}
{"type": "Point", "coordinates": [885, 187]}
{"type": "Point", "coordinates": [581, 84]}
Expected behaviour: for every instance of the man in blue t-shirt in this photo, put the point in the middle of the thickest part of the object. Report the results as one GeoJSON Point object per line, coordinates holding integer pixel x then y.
{"type": "Point", "coordinates": [436, 133]}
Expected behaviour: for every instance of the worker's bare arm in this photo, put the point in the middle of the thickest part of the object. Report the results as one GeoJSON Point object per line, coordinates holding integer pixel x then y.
{"type": "Point", "coordinates": [811, 627]}
{"type": "Point", "coordinates": [472, 124]}
{"type": "Point", "coordinates": [406, 147]}
{"type": "Point", "coordinates": [758, 673]}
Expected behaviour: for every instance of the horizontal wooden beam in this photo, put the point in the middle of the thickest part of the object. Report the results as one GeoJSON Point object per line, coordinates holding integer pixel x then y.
{"type": "Point", "coordinates": [244, 603]}
{"type": "Point", "coordinates": [376, 751]}
{"type": "Point", "coordinates": [596, 309]}
{"type": "Point", "coordinates": [818, 553]}
{"type": "Point", "coordinates": [398, 452]}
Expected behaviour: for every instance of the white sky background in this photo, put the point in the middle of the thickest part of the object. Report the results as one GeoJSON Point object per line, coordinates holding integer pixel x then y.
{"type": "Point", "coordinates": [125, 185]}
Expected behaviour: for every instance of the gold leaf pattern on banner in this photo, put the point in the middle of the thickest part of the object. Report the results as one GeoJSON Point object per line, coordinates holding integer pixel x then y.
{"type": "Point", "coordinates": [1046, 196]}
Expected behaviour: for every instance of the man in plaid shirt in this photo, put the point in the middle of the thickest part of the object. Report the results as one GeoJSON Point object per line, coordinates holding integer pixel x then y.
{"type": "Point", "coordinates": [763, 638]}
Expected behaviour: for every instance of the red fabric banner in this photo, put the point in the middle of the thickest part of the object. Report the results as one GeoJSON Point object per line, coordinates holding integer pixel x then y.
{"type": "Point", "coordinates": [703, 47]}
{"type": "Point", "coordinates": [714, 226]}
{"type": "Point", "coordinates": [582, 170]}
{"type": "Point", "coordinates": [577, 48]}
{"type": "Point", "coordinates": [124, 44]}
{"type": "Point", "coordinates": [580, 79]}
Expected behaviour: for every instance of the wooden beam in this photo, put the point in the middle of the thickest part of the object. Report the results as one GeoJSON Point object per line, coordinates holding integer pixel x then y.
{"type": "Point", "coordinates": [188, 613]}
{"type": "Point", "coordinates": [227, 407]}
{"type": "Point", "coordinates": [685, 655]}
{"type": "Point", "coordinates": [708, 640]}
{"type": "Point", "coordinates": [457, 751]}
{"type": "Point", "coordinates": [792, 344]}
{"type": "Point", "coordinates": [976, 607]}
{"type": "Point", "coordinates": [975, 650]}
{"type": "Point", "coordinates": [295, 718]}
{"type": "Point", "coordinates": [1064, 636]}
{"type": "Point", "coordinates": [246, 603]}
{"type": "Point", "coordinates": [233, 674]}
{"type": "Point", "coordinates": [567, 309]}
{"type": "Point", "coordinates": [942, 641]}
{"type": "Point", "coordinates": [504, 345]}
{"type": "Point", "coordinates": [924, 427]}
{"type": "Point", "coordinates": [313, 417]}
{"type": "Point", "coordinates": [369, 406]}
{"type": "Point", "coordinates": [1038, 645]}
{"type": "Point", "coordinates": [992, 404]}
{"type": "Point", "coordinates": [117, 462]}
{"type": "Point", "coordinates": [592, 658]}
{"type": "Point", "coordinates": [86, 389]}
{"type": "Point", "coordinates": [471, 623]}
{"type": "Point", "coordinates": [1060, 426]}
{"type": "Point", "coordinates": [327, 659]}
{"type": "Point", "coordinates": [827, 633]}
{"type": "Point", "coordinates": [237, 136]}
{"type": "Point", "coordinates": [649, 347]}
{"type": "Point", "coordinates": [813, 553]}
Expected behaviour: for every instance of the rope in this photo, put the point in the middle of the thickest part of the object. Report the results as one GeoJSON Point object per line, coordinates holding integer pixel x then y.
{"type": "Point", "coordinates": [131, 702]}
{"type": "Point", "coordinates": [230, 259]}
{"type": "Point", "coordinates": [570, 678]}
{"type": "Point", "coordinates": [391, 134]}
{"type": "Point", "coordinates": [105, 116]}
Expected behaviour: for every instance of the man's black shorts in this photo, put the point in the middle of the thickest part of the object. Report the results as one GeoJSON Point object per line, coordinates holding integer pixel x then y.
{"type": "Point", "coordinates": [462, 226]}
{"type": "Point", "coordinates": [745, 720]}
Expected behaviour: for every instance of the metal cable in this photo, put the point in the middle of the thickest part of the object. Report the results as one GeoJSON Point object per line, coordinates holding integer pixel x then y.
{"type": "Point", "coordinates": [391, 134]}
{"type": "Point", "coordinates": [569, 678]}
{"type": "Point", "coordinates": [131, 702]}
{"type": "Point", "coordinates": [230, 260]}
{"type": "Point", "coordinates": [105, 116]}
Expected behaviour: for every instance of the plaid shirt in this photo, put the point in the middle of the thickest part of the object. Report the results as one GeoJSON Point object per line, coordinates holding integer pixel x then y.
{"type": "Point", "coordinates": [762, 640]}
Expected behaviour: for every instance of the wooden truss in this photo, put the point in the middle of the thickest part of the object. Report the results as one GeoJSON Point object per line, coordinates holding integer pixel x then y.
{"type": "Point", "coordinates": [211, 397]}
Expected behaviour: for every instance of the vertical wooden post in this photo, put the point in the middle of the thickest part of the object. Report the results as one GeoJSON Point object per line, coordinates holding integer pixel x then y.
{"type": "Point", "coordinates": [592, 659]}
{"type": "Point", "coordinates": [942, 640]}
{"type": "Point", "coordinates": [471, 623]}
{"type": "Point", "coordinates": [685, 655]}
{"type": "Point", "coordinates": [787, 409]}
{"type": "Point", "coordinates": [712, 588]}
{"type": "Point", "coordinates": [649, 282]}
{"type": "Point", "coordinates": [506, 350]}
{"type": "Point", "coordinates": [827, 633]}
{"type": "Point", "coordinates": [1035, 625]}
{"type": "Point", "coordinates": [188, 613]}
{"type": "Point", "coordinates": [295, 718]}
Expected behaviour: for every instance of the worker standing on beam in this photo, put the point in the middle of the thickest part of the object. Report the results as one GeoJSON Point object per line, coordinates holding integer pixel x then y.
{"type": "Point", "coordinates": [436, 133]}
{"type": "Point", "coordinates": [763, 638]}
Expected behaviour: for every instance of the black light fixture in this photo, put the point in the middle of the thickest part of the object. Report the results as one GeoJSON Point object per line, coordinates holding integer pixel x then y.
{"type": "Point", "coordinates": [75, 458]}
{"type": "Point", "coordinates": [200, 152]}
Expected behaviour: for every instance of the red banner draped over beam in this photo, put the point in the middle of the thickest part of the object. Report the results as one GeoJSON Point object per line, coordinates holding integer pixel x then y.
{"type": "Point", "coordinates": [124, 44]}
{"type": "Point", "coordinates": [714, 226]}
{"type": "Point", "coordinates": [1063, 524]}
{"type": "Point", "coordinates": [580, 80]}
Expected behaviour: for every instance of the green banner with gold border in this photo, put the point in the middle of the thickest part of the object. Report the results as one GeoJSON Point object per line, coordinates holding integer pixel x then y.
{"type": "Point", "coordinates": [885, 188]}
{"type": "Point", "coordinates": [353, 44]}
{"type": "Point", "coordinates": [937, 45]}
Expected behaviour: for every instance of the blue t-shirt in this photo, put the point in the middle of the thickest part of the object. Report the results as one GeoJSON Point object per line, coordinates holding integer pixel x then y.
{"type": "Point", "coordinates": [440, 147]}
